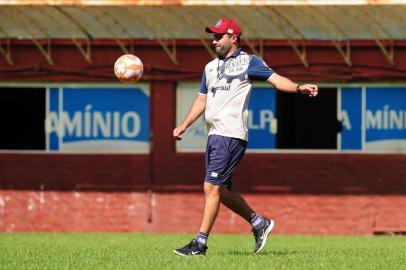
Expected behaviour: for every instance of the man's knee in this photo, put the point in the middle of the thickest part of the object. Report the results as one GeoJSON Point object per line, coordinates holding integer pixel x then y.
{"type": "Point", "coordinates": [211, 190]}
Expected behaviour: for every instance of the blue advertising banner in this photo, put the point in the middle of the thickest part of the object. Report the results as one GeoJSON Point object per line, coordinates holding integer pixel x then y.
{"type": "Point", "coordinates": [385, 119]}
{"type": "Point", "coordinates": [351, 118]}
{"type": "Point", "coordinates": [262, 121]}
{"type": "Point", "coordinates": [98, 119]}
{"type": "Point", "coordinates": [53, 137]}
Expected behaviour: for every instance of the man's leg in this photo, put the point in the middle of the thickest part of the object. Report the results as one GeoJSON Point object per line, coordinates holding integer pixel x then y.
{"type": "Point", "coordinates": [261, 226]}
{"type": "Point", "coordinates": [211, 206]}
{"type": "Point", "coordinates": [236, 203]}
{"type": "Point", "coordinates": [211, 209]}
{"type": "Point", "coordinates": [217, 158]}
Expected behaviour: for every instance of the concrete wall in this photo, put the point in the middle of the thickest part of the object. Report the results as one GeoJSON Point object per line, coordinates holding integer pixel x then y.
{"type": "Point", "coordinates": [84, 211]}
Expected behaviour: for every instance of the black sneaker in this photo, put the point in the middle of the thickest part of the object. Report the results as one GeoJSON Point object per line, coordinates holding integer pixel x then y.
{"type": "Point", "coordinates": [262, 234]}
{"type": "Point", "coordinates": [191, 249]}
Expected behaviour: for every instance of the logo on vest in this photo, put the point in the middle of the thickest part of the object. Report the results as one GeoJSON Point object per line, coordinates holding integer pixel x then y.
{"type": "Point", "coordinates": [225, 87]}
{"type": "Point", "coordinates": [236, 66]}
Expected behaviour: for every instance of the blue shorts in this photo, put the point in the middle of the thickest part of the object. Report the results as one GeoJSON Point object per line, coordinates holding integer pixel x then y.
{"type": "Point", "coordinates": [222, 156]}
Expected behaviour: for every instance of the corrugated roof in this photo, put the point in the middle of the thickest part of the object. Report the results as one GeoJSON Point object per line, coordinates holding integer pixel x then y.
{"type": "Point", "coordinates": [200, 2]}
{"type": "Point", "coordinates": [311, 22]}
{"type": "Point", "coordinates": [165, 21]}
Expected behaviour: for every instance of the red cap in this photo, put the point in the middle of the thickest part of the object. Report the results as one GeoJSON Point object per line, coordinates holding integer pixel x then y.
{"type": "Point", "coordinates": [223, 26]}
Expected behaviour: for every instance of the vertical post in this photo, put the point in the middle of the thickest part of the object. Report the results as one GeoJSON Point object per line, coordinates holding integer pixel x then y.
{"type": "Point", "coordinates": [162, 117]}
{"type": "Point", "coordinates": [339, 116]}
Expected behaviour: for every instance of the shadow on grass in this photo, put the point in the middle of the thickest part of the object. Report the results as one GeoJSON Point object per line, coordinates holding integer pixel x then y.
{"type": "Point", "coordinates": [263, 253]}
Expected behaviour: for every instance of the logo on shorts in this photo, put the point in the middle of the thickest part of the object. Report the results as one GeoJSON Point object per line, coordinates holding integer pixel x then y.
{"type": "Point", "coordinates": [214, 174]}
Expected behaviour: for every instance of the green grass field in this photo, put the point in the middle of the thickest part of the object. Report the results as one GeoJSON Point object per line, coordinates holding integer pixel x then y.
{"type": "Point", "coordinates": [154, 251]}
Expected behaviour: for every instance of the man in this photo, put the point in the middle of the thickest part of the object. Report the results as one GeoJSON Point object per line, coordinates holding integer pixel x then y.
{"type": "Point", "coordinates": [224, 95]}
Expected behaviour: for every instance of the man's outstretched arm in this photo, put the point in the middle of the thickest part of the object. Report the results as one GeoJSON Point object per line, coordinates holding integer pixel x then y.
{"type": "Point", "coordinates": [286, 85]}
{"type": "Point", "coordinates": [195, 111]}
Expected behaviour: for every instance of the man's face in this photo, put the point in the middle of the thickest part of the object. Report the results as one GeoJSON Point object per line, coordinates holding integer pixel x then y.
{"type": "Point", "coordinates": [222, 44]}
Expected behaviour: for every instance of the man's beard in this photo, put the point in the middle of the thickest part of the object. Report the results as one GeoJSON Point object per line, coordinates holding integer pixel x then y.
{"type": "Point", "coordinates": [222, 51]}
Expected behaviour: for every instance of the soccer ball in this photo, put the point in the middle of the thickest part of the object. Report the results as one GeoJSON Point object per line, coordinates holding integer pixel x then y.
{"type": "Point", "coordinates": [128, 68]}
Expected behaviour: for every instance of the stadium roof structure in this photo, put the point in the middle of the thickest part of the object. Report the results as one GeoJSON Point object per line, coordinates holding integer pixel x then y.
{"type": "Point", "coordinates": [295, 21]}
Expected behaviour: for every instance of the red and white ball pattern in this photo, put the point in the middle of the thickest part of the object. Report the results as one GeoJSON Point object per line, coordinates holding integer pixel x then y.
{"type": "Point", "coordinates": [128, 68]}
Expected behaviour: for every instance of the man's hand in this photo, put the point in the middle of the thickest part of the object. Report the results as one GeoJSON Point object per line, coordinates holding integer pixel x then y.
{"type": "Point", "coordinates": [198, 107]}
{"type": "Point", "coordinates": [308, 89]}
{"type": "Point", "coordinates": [178, 131]}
